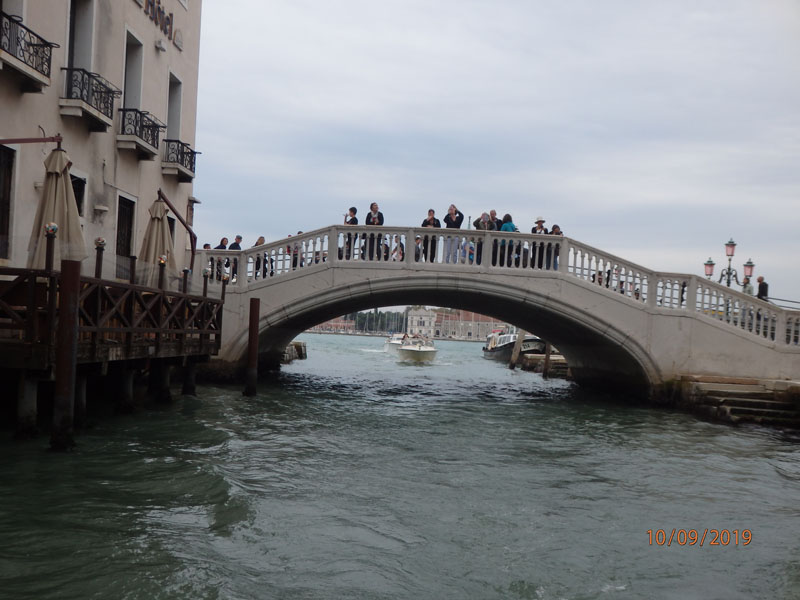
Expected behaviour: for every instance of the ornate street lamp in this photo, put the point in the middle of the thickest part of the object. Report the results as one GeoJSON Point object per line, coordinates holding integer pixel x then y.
{"type": "Point", "coordinates": [729, 274]}
{"type": "Point", "coordinates": [709, 266]}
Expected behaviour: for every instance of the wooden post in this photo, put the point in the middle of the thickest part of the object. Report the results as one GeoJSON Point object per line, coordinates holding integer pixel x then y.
{"type": "Point", "coordinates": [252, 349]}
{"type": "Point", "coordinates": [125, 402]}
{"type": "Point", "coordinates": [185, 281]}
{"type": "Point", "coordinates": [162, 266]}
{"type": "Point", "coordinates": [546, 368]}
{"type": "Point", "coordinates": [515, 352]}
{"type": "Point", "coordinates": [26, 406]}
{"type": "Point", "coordinates": [98, 261]}
{"type": "Point", "coordinates": [158, 382]}
{"type": "Point", "coordinates": [132, 264]}
{"type": "Point", "coordinates": [61, 437]}
{"type": "Point", "coordinates": [80, 401]}
{"type": "Point", "coordinates": [189, 379]}
{"type": "Point", "coordinates": [205, 284]}
{"type": "Point", "coordinates": [50, 249]}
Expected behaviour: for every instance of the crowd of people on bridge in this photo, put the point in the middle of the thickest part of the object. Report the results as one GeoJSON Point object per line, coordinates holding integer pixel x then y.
{"type": "Point", "coordinates": [457, 248]}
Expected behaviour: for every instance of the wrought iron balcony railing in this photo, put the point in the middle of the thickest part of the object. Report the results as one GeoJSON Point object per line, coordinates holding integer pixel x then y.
{"type": "Point", "coordinates": [92, 89]}
{"type": "Point", "coordinates": [179, 152]}
{"type": "Point", "coordinates": [141, 124]}
{"type": "Point", "coordinates": [24, 44]}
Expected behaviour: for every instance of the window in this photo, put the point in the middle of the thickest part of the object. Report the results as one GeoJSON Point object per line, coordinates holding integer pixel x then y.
{"type": "Point", "coordinates": [79, 189]}
{"type": "Point", "coordinates": [81, 15]}
{"type": "Point", "coordinates": [171, 222]}
{"type": "Point", "coordinates": [174, 108]}
{"type": "Point", "coordinates": [125, 213]}
{"type": "Point", "coordinates": [13, 7]}
{"type": "Point", "coordinates": [6, 170]}
{"type": "Point", "coordinates": [133, 73]}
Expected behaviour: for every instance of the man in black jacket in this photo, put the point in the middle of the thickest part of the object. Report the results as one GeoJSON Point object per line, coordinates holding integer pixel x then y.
{"type": "Point", "coordinates": [431, 221]}
{"type": "Point", "coordinates": [452, 220]}
{"type": "Point", "coordinates": [763, 289]}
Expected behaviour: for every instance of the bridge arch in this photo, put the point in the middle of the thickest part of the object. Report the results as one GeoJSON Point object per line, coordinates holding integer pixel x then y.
{"type": "Point", "coordinates": [616, 322]}
{"type": "Point", "coordinates": [598, 352]}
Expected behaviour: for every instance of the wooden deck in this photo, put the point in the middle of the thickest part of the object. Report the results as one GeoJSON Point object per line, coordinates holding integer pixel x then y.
{"type": "Point", "coordinates": [117, 321]}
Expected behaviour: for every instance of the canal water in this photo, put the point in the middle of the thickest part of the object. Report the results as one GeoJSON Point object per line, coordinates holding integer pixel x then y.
{"type": "Point", "coordinates": [353, 476]}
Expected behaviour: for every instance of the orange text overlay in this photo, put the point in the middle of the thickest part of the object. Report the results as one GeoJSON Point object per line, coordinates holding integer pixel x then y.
{"type": "Point", "coordinates": [699, 537]}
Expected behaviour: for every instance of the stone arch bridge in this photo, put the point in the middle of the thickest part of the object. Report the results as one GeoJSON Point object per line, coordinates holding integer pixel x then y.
{"type": "Point", "coordinates": [616, 322]}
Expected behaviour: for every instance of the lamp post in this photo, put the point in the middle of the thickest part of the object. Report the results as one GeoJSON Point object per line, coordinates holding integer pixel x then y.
{"type": "Point", "coordinates": [729, 274]}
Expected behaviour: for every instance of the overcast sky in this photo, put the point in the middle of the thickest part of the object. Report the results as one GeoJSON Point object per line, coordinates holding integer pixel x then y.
{"type": "Point", "coordinates": [654, 130]}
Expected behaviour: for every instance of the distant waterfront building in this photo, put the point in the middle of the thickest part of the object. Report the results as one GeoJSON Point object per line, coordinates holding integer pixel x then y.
{"type": "Point", "coordinates": [118, 80]}
{"type": "Point", "coordinates": [337, 325]}
{"type": "Point", "coordinates": [465, 325]}
{"type": "Point", "coordinates": [454, 324]}
{"type": "Point", "coordinates": [421, 321]}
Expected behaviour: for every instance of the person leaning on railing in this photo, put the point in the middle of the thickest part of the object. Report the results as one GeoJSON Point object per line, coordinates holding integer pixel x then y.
{"type": "Point", "coordinates": [223, 245]}
{"type": "Point", "coordinates": [349, 219]}
{"type": "Point", "coordinates": [482, 223]}
{"type": "Point", "coordinates": [429, 245]}
{"type": "Point", "coordinates": [554, 230]}
{"type": "Point", "coordinates": [452, 220]}
{"type": "Point", "coordinates": [374, 217]}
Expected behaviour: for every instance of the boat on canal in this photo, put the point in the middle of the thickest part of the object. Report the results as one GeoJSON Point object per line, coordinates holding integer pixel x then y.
{"type": "Point", "coordinates": [500, 345]}
{"type": "Point", "coordinates": [393, 342]}
{"type": "Point", "coordinates": [417, 350]}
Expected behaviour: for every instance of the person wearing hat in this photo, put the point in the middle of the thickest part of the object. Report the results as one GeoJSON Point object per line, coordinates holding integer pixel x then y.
{"type": "Point", "coordinates": [538, 229]}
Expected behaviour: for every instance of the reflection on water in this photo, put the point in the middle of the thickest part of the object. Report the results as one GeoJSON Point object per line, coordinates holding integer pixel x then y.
{"type": "Point", "coordinates": [353, 477]}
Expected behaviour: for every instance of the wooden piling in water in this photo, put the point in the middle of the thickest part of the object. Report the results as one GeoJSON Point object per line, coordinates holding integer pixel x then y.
{"type": "Point", "coordinates": [251, 376]}
{"type": "Point", "coordinates": [79, 418]}
{"type": "Point", "coordinates": [512, 364]}
{"type": "Point", "coordinates": [189, 379]}
{"type": "Point", "coordinates": [61, 437]}
{"type": "Point", "coordinates": [546, 368]}
{"type": "Point", "coordinates": [26, 406]}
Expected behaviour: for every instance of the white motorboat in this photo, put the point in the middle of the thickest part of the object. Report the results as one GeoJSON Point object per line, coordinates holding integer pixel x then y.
{"type": "Point", "coordinates": [417, 349]}
{"type": "Point", "coordinates": [393, 342]}
{"type": "Point", "coordinates": [500, 345]}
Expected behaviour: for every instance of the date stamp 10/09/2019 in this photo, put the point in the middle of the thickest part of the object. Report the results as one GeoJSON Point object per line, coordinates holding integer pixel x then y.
{"type": "Point", "coordinates": [699, 537]}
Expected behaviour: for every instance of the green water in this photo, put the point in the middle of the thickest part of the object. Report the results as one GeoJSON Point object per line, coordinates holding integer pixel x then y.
{"type": "Point", "coordinates": [353, 476]}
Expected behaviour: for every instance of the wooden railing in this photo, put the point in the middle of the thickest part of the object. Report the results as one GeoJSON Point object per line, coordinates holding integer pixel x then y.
{"type": "Point", "coordinates": [520, 254]}
{"type": "Point", "coordinates": [115, 320]}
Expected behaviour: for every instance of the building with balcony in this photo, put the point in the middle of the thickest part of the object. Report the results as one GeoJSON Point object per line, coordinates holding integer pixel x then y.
{"type": "Point", "coordinates": [118, 81]}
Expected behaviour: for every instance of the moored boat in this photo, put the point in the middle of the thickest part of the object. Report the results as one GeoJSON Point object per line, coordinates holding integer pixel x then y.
{"type": "Point", "coordinates": [417, 349]}
{"type": "Point", "coordinates": [500, 345]}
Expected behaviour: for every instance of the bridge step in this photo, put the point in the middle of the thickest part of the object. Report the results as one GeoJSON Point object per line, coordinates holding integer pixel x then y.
{"type": "Point", "coordinates": [745, 394]}
{"type": "Point", "coordinates": [770, 404]}
{"type": "Point", "coordinates": [744, 402]}
{"type": "Point", "coordinates": [734, 388]}
{"type": "Point", "coordinates": [751, 410]}
{"type": "Point", "coordinates": [717, 380]}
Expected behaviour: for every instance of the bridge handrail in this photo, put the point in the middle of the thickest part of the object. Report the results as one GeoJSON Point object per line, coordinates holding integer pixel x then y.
{"type": "Point", "coordinates": [492, 251]}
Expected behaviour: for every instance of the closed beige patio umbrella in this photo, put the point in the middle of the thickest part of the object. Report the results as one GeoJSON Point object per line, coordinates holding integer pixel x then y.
{"type": "Point", "coordinates": [57, 206]}
{"type": "Point", "coordinates": [157, 242]}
